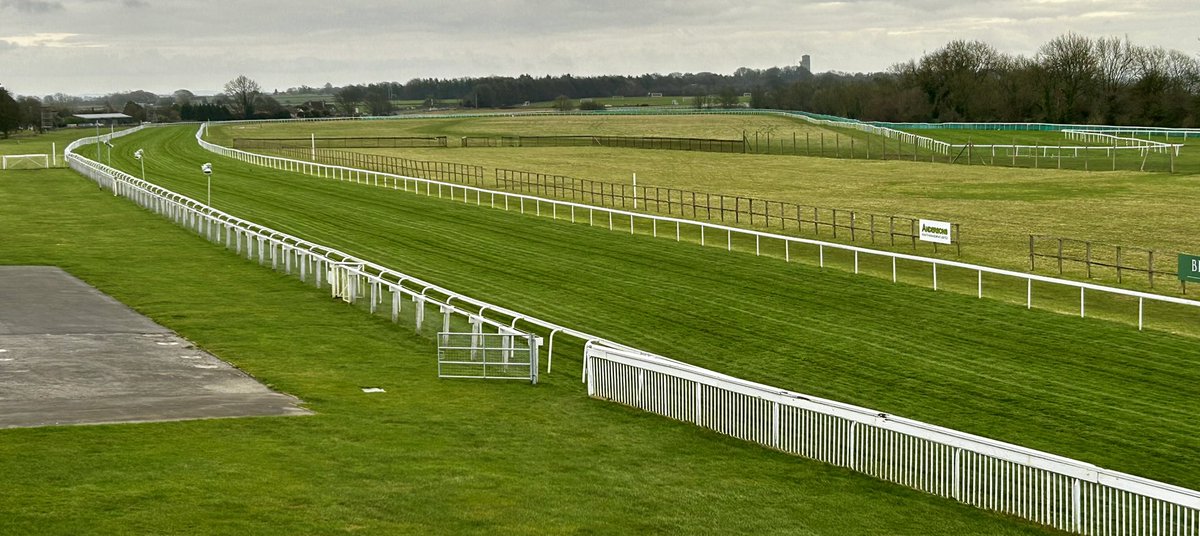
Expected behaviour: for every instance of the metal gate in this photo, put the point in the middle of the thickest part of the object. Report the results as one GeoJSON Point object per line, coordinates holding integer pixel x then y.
{"type": "Point", "coordinates": [509, 355]}
{"type": "Point", "coordinates": [345, 280]}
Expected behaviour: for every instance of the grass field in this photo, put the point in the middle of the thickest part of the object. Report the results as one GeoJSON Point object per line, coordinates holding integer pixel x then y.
{"type": "Point", "coordinates": [998, 208]}
{"type": "Point", "coordinates": [1089, 389]}
{"type": "Point", "coordinates": [427, 456]}
{"type": "Point", "coordinates": [695, 126]}
{"type": "Point", "coordinates": [25, 143]}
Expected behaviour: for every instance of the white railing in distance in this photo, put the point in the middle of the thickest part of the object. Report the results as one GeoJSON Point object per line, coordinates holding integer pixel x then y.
{"type": "Point", "coordinates": [567, 210]}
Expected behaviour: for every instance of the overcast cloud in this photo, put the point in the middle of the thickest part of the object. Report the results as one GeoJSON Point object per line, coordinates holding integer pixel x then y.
{"type": "Point", "coordinates": [102, 46]}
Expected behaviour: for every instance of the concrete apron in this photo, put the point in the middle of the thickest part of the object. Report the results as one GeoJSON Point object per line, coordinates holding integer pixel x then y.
{"type": "Point", "coordinates": [70, 354]}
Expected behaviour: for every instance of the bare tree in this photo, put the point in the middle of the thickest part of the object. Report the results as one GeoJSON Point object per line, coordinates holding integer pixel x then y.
{"type": "Point", "coordinates": [728, 97]}
{"type": "Point", "coordinates": [563, 103]}
{"type": "Point", "coordinates": [378, 99]}
{"type": "Point", "coordinates": [348, 98]}
{"type": "Point", "coordinates": [957, 79]}
{"type": "Point", "coordinates": [1069, 64]}
{"type": "Point", "coordinates": [183, 96]}
{"type": "Point", "coordinates": [242, 92]}
{"type": "Point", "coordinates": [1115, 70]}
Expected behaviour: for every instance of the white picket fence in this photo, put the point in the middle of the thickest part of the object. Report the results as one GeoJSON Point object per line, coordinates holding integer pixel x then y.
{"type": "Point", "coordinates": [1056, 491]}
{"type": "Point", "coordinates": [1060, 492]}
{"type": "Point", "coordinates": [670, 226]}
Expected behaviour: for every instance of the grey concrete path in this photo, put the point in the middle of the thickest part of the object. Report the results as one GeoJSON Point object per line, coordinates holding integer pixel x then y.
{"type": "Point", "coordinates": [70, 354]}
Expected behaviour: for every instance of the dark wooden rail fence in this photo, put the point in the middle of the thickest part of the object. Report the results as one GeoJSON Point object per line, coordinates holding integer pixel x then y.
{"type": "Point", "coordinates": [352, 142]}
{"type": "Point", "coordinates": [712, 207]}
{"type": "Point", "coordinates": [425, 169]}
{"type": "Point", "coordinates": [1090, 256]}
{"type": "Point", "coordinates": [631, 142]}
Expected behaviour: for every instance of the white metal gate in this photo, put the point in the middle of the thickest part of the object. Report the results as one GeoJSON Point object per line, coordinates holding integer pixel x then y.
{"type": "Point", "coordinates": [345, 280]}
{"type": "Point", "coordinates": [509, 355]}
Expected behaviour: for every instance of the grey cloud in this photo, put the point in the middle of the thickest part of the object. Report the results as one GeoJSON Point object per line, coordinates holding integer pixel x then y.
{"type": "Point", "coordinates": [31, 6]}
{"type": "Point", "coordinates": [201, 45]}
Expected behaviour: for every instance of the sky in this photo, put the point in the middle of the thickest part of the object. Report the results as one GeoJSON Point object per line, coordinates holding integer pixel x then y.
{"type": "Point", "coordinates": [87, 47]}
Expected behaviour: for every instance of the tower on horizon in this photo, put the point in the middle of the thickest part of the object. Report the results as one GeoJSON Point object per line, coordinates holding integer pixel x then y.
{"type": "Point", "coordinates": [806, 63]}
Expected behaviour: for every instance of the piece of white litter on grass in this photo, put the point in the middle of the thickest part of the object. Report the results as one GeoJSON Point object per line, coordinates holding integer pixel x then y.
{"type": "Point", "coordinates": [372, 390]}
{"type": "Point", "coordinates": [2, 350]}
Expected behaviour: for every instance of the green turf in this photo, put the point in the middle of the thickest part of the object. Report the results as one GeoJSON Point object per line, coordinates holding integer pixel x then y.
{"type": "Point", "coordinates": [1089, 389]}
{"type": "Point", "coordinates": [56, 140]}
{"type": "Point", "coordinates": [998, 208]}
{"type": "Point", "coordinates": [427, 457]}
{"type": "Point", "coordinates": [695, 126]}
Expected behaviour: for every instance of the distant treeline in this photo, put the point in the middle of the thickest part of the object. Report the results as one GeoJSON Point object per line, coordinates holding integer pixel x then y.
{"type": "Point", "coordinates": [497, 91]}
{"type": "Point", "coordinates": [1071, 79]}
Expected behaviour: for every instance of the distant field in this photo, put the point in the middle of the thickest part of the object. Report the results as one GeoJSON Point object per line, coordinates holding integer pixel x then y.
{"type": "Point", "coordinates": [426, 457]}
{"type": "Point", "coordinates": [694, 126]}
{"type": "Point", "coordinates": [1091, 389]}
{"type": "Point", "coordinates": [997, 207]}
{"type": "Point", "coordinates": [28, 143]}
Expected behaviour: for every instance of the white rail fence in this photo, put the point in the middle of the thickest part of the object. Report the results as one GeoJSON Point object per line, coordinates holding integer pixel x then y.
{"type": "Point", "coordinates": [1110, 142]}
{"type": "Point", "coordinates": [1060, 492]}
{"type": "Point", "coordinates": [673, 227]}
{"type": "Point", "coordinates": [1034, 485]}
{"type": "Point", "coordinates": [1117, 142]}
{"type": "Point", "coordinates": [350, 278]}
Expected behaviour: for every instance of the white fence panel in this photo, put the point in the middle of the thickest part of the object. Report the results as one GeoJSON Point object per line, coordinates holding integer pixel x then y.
{"type": "Point", "coordinates": [1060, 492]}
{"type": "Point", "coordinates": [507, 355]}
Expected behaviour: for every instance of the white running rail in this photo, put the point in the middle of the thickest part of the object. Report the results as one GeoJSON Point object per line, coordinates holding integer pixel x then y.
{"type": "Point", "coordinates": [670, 226]}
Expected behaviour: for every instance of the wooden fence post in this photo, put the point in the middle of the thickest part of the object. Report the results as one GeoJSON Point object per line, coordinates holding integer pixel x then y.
{"type": "Point", "coordinates": [1031, 264]}
{"type": "Point", "coordinates": [1088, 259]}
{"type": "Point", "coordinates": [1118, 264]}
{"type": "Point", "coordinates": [1060, 256]}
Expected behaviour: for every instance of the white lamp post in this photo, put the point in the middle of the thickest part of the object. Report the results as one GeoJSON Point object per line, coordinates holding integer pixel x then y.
{"type": "Point", "coordinates": [207, 169]}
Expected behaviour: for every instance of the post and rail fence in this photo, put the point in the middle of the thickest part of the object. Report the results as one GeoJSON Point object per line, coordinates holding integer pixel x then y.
{"type": "Point", "coordinates": [626, 142]}
{"type": "Point", "coordinates": [1065, 253]}
{"type": "Point", "coordinates": [341, 142]}
{"type": "Point", "coordinates": [730, 209]}
{"type": "Point", "coordinates": [425, 169]}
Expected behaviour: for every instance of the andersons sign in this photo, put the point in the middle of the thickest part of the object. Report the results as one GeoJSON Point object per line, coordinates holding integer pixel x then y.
{"type": "Point", "coordinates": [935, 231]}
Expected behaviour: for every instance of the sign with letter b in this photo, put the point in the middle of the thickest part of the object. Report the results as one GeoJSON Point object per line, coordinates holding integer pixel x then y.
{"type": "Point", "coordinates": [1189, 268]}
